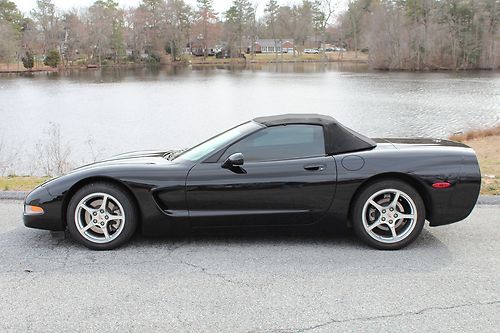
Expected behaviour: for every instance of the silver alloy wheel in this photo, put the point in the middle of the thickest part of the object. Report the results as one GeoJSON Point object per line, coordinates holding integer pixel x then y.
{"type": "Point", "coordinates": [99, 217]}
{"type": "Point", "coordinates": [389, 216]}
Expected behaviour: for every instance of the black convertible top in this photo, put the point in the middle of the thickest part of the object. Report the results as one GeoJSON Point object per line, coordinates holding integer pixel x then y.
{"type": "Point", "coordinates": [338, 138]}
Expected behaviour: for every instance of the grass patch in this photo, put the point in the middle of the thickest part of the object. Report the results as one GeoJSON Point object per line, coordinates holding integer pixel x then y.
{"type": "Point", "coordinates": [289, 57]}
{"type": "Point", "coordinates": [486, 144]}
{"type": "Point", "coordinates": [286, 57]}
{"type": "Point", "coordinates": [20, 183]}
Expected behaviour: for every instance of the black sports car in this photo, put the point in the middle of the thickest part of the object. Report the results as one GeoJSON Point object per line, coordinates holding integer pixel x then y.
{"type": "Point", "coordinates": [282, 170]}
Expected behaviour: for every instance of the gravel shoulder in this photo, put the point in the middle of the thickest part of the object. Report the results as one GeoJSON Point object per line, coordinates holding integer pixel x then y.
{"type": "Point", "coordinates": [448, 280]}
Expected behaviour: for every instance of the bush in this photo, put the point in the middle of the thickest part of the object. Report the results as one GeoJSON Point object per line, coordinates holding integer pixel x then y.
{"type": "Point", "coordinates": [52, 58]}
{"type": "Point", "coordinates": [153, 59]}
{"type": "Point", "coordinates": [28, 60]}
{"type": "Point", "coordinates": [131, 58]}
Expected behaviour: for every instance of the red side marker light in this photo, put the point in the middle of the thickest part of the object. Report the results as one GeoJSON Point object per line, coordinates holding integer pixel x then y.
{"type": "Point", "coordinates": [441, 185]}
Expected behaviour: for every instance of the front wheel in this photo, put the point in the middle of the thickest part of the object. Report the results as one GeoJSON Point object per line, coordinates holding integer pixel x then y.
{"type": "Point", "coordinates": [101, 216]}
{"type": "Point", "coordinates": [388, 215]}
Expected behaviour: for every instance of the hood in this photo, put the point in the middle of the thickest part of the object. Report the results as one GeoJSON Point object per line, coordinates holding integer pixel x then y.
{"type": "Point", "coordinates": [137, 157]}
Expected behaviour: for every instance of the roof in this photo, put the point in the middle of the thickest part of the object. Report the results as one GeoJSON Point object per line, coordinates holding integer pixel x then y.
{"type": "Point", "coordinates": [270, 42]}
{"type": "Point", "coordinates": [338, 138]}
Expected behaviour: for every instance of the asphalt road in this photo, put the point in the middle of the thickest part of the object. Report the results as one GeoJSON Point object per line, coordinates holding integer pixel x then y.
{"type": "Point", "coordinates": [449, 280]}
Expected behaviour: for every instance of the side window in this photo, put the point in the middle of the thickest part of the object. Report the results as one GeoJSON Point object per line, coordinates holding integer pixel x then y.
{"type": "Point", "coordinates": [280, 143]}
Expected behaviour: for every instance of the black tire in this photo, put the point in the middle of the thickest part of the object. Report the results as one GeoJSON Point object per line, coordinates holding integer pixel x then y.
{"type": "Point", "coordinates": [129, 214]}
{"type": "Point", "coordinates": [379, 237]}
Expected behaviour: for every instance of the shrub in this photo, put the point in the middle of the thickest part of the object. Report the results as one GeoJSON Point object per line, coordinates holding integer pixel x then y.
{"type": "Point", "coordinates": [28, 60]}
{"type": "Point", "coordinates": [153, 59]}
{"type": "Point", "coordinates": [475, 134]}
{"type": "Point", "coordinates": [52, 58]}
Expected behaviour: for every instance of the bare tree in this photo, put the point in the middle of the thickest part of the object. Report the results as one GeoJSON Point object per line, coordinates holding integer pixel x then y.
{"type": "Point", "coordinates": [48, 24]}
{"type": "Point", "coordinates": [10, 42]}
{"type": "Point", "coordinates": [54, 152]}
{"type": "Point", "coordinates": [323, 11]}
{"type": "Point", "coordinates": [8, 157]}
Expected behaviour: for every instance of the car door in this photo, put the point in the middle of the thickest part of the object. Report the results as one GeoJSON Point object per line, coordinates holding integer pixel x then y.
{"type": "Point", "coordinates": [286, 178]}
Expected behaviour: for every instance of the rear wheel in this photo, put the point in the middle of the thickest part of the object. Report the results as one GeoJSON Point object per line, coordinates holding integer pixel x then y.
{"type": "Point", "coordinates": [388, 215]}
{"type": "Point", "coordinates": [101, 216]}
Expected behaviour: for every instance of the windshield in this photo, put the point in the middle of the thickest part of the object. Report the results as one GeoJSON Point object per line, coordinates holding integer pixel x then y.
{"type": "Point", "coordinates": [217, 142]}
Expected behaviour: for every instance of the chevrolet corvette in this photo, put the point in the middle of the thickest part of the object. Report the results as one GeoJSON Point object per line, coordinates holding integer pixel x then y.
{"type": "Point", "coordinates": [284, 170]}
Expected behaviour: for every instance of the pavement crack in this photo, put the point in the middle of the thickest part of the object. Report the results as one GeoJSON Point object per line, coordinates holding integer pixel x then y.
{"type": "Point", "coordinates": [205, 271]}
{"type": "Point", "coordinates": [401, 314]}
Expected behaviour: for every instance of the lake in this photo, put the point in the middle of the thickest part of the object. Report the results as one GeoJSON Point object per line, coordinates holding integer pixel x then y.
{"type": "Point", "coordinates": [116, 110]}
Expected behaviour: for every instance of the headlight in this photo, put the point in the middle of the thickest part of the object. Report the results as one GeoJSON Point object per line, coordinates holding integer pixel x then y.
{"type": "Point", "coordinates": [33, 210]}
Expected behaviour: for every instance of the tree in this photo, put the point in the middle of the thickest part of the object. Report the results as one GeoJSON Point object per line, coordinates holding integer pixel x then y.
{"type": "Point", "coordinates": [302, 24]}
{"type": "Point", "coordinates": [238, 18]}
{"type": "Point", "coordinates": [28, 60]}
{"type": "Point", "coordinates": [76, 35]}
{"type": "Point", "coordinates": [106, 30]}
{"type": "Point", "coordinates": [323, 11]}
{"type": "Point", "coordinates": [151, 21]}
{"type": "Point", "coordinates": [9, 43]}
{"type": "Point", "coordinates": [492, 19]}
{"type": "Point", "coordinates": [11, 28]}
{"type": "Point", "coordinates": [179, 21]}
{"type": "Point", "coordinates": [272, 9]}
{"type": "Point", "coordinates": [459, 17]}
{"type": "Point", "coordinates": [52, 58]}
{"type": "Point", "coordinates": [354, 16]}
{"type": "Point", "coordinates": [44, 16]}
{"type": "Point", "coordinates": [9, 13]}
{"type": "Point", "coordinates": [206, 17]}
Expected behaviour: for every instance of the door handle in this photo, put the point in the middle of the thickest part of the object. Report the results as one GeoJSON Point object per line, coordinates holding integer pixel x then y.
{"type": "Point", "coordinates": [314, 167]}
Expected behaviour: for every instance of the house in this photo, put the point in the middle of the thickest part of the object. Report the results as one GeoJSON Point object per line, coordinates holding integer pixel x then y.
{"type": "Point", "coordinates": [197, 47]}
{"type": "Point", "coordinates": [269, 45]}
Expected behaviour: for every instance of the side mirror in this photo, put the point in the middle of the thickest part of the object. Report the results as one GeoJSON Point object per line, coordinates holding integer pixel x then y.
{"type": "Point", "coordinates": [234, 160]}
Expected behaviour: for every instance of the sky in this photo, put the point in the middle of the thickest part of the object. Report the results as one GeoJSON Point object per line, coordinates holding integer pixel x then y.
{"type": "Point", "coordinates": [220, 5]}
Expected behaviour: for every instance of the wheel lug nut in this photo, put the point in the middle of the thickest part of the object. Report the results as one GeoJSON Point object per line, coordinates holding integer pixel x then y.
{"type": "Point", "coordinates": [94, 213]}
{"type": "Point", "coordinates": [383, 219]}
{"type": "Point", "coordinates": [391, 209]}
{"type": "Point", "coordinates": [106, 217]}
{"type": "Point", "coordinates": [102, 223]}
{"type": "Point", "coordinates": [395, 215]}
{"type": "Point", "coordinates": [102, 210]}
{"type": "Point", "coordinates": [383, 211]}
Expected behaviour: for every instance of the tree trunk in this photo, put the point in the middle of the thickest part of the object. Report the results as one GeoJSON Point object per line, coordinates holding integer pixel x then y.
{"type": "Point", "coordinates": [205, 53]}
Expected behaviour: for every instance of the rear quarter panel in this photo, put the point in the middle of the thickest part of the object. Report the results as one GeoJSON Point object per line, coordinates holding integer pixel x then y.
{"type": "Point", "coordinates": [421, 166]}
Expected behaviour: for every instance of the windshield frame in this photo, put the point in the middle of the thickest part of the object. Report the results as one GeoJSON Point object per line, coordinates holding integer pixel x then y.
{"type": "Point", "coordinates": [245, 132]}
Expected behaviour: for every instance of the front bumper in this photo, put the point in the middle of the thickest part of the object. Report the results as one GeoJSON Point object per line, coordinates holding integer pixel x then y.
{"type": "Point", "coordinates": [51, 219]}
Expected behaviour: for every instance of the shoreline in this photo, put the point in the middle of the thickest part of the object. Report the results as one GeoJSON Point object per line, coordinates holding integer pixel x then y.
{"type": "Point", "coordinates": [242, 63]}
{"type": "Point", "coordinates": [225, 62]}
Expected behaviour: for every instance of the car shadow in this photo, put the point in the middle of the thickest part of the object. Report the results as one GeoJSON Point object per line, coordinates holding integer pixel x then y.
{"type": "Point", "coordinates": [334, 249]}
{"type": "Point", "coordinates": [334, 236]}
